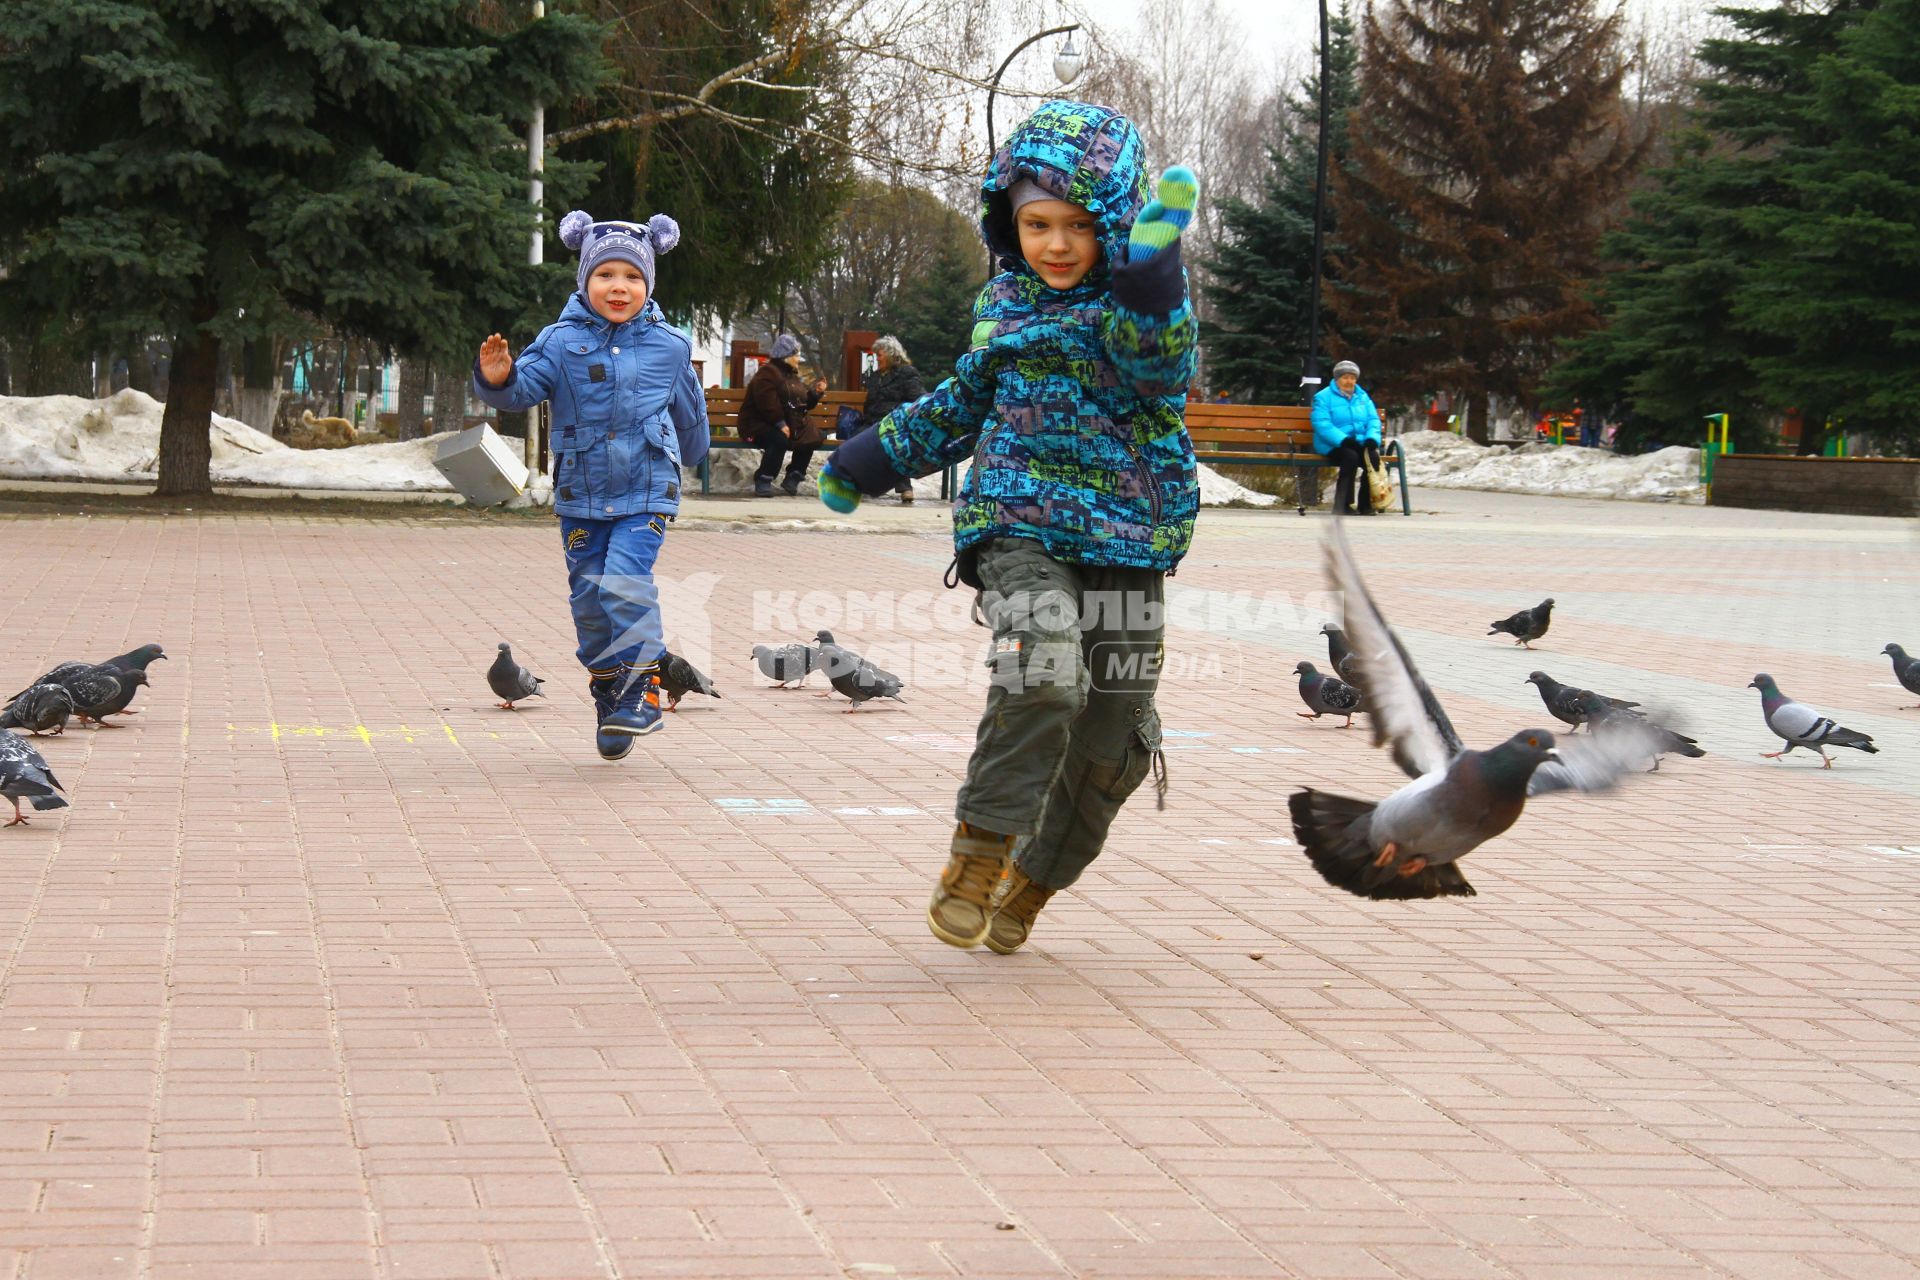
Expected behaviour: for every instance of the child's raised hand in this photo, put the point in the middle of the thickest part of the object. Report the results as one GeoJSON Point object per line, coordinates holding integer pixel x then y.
{"type": "Point", "coordinates": [496, 360]}
{"type": "Point", "coordinates": [1166, 216]}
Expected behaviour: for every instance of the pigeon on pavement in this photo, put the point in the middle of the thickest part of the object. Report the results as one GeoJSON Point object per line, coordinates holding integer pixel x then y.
{"type": "Point", "coordinates": [42, 709]}
{"type": "Point", "coordinates": [134, 660]}
{"type": "Point", "coordinates": [25, 776]}
{"type": "Point", "coordinates": [1801, 726]}
{"type": "Point", "coordinates": [1527, 625]}
{"type": "Point", "coordinates": [1337, 651]}
{"type": "Point", "coordinates": [1567, 703]}
{"type": "Point", "coordinates": [1906, 670]}
{"type": "Point", "coordinates": [1603, 717]}
{"type": "Point", "coordinates": [104, 691]}
{"type": "Point", "coordinates": [1326, 695]}
{"type": "Point", "coordinates": [790, 662]}
{"type": "Point", "coordinates": [853, 676]}
{"type": "Point", "coordinates": [1409, 844]}
{"type": "Point", "coordinates": [510, 681]}
{"type": "Point", "coordinates": [678, 678]}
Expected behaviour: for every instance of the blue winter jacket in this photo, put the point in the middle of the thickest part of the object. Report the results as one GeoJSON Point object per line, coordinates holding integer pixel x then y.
{"type": "Point", "coordinates": [628, 411]}
{"type": "Point", "coordinates": [1071, 404]}
{"type": "Point", "coordinates": [1336, 417]}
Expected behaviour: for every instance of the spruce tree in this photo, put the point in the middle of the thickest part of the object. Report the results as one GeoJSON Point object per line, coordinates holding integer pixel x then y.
{"type": "Point", "coordinates": [1484, 155]}
{"type": "Point", "coordinates": [218, 171]}
{"type": "Point", "coordinates": [1691, 306]}
{"type": "Point", "coordinates": [1263, 268]}
{"type": "Point", "coordinates": [932, 313]}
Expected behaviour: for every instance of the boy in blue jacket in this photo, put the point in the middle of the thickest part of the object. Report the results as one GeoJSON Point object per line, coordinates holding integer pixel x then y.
{"type": "Point", "coordinates": [1080, 500]}
{"type": "Point", "coordinates": [628, 413]}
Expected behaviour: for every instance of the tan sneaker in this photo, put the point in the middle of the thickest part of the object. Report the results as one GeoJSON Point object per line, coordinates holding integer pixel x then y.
{"type": "Point", "coordinates": [1018, 902]}
{"type": "Point", "coordinates": [960, 911]}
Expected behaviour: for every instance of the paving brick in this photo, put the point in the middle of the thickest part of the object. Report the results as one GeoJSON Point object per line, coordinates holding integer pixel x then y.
{"type": "Point", "coordinates": [334, 968]}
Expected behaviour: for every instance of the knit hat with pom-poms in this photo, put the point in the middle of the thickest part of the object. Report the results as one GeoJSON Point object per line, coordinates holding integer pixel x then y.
{"type": "Point", "coordinates": [634, 242]}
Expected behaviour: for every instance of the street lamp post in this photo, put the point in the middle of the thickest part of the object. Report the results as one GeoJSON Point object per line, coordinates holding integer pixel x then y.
{"type": "Point", "coordinates": [1310, 376]}
{"type": "Point", "coordinates": [536, 248]}
{"type": "Point", "coordinates": [1067, 65]}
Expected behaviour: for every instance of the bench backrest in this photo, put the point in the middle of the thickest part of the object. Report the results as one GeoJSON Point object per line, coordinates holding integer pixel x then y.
{"type": "Point", "coordinates": [1242, 428]}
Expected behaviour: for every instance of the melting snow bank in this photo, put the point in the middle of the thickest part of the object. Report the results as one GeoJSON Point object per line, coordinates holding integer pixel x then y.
{"type": "Point", "coordinates": [69, 438]}
{"type": "Point", "coordinates": [1442, 460]}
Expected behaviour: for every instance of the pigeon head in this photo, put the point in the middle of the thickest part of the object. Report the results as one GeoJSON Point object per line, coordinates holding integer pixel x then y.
{"type": "Point", "coordinates": [1764, 683]}
{"type": "Point", "coordinates": [505, 647]}
{"type": "Point", "coordinates": [760, 649]}
{"type": "Point", "coordinates": [1513, 761]}
{"type": "Point", "coordinates": [1894, 651]}
{"type": "Point", "coordinates": [1328, 629]}
{"type": "Point", "coordinates": [144, 654]}
{"type": "Point", "coordinates": [1539, 677]}
{"type": "Point", "coordinates": [1547, 603]}
{"type": "Point", "coordinates": [1305, 669]}
{"type": "Point", "coordinates": [824, 637]}
{"type": "Point", "coordinates": [136, 678]}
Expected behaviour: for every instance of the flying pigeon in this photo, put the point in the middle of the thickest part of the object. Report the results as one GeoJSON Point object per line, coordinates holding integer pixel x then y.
{"type": "Point", "coordinates": [104, 691]}
{"type": "Point", "coordinates": [135, 660]}
{"type": "Point", "coordinates": [1802, 726]}
{"type": "Point", "coordinates": [789, 662]}
{"type": "Point", "coordinates": [1408, 845]}
{"type": "Point", "coordinates": [1527, 625]}
{"type": "Point", "coordinates": [42, 709]}
{"type": "Point", "coordinates": [678, 678]}
{"type": "Point", "coordinates": [1569, 704]}
{"type": "Point", "coordinates": [510, 681]}
{"type": "Point", "coordinates": [1326, 695]}
{"type": "Point", "coordinates": [1337, 651]}
{"type": "Point", "coordinates": [1603, 717]}
{"type": "Point", "coordinates": [1906, 670]}
{"type": "Point", "coordinates": [25, 776]}
{"type": "Point", "coordinates": [855, 677]}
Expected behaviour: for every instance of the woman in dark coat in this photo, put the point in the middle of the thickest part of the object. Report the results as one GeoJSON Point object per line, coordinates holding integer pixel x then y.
{"type": "Point", "coordinates": [774, 417]}
{"type": "Point", "coordinates": [894, 382]}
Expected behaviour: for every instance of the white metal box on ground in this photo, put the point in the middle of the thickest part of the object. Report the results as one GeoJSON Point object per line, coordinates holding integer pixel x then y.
{"type": "Point", "coordinates": [482, 466]}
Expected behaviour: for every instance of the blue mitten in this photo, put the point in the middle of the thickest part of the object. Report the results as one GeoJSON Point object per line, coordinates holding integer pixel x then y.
{"type": "Point", "coordinates": [837, 491]}
{"type": "Point", "coordinates": [1166, 216]}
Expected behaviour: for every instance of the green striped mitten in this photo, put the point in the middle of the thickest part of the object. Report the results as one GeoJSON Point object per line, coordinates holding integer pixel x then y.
{"type": "Point", "coordinates": [1166, 216]}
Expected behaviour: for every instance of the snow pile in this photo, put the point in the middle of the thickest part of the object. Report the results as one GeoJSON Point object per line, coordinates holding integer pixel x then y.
{"type": "Point", "coordinates": [1443, 460]}
{"type": "Point", "coordinates": [1217, 490]}
{"type": "Point", "coordinates": [69, 438]}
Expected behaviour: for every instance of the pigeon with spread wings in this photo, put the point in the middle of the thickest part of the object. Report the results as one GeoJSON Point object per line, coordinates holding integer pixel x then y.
{"type": "Point", "coordinates": [1409, 844]}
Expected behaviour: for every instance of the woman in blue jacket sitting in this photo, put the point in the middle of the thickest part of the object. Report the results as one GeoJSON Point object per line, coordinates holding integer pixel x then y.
{"type": "Point", "coordinates": [1346, 427]}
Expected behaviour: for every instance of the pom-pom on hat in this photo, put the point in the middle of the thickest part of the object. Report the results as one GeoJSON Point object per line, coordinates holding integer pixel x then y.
{"type": "Point", "coordinates": [635, 242]}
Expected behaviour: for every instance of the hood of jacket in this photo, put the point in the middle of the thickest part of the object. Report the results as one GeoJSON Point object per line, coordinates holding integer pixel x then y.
{"type": "Point", "coordinates": [1084, 154]}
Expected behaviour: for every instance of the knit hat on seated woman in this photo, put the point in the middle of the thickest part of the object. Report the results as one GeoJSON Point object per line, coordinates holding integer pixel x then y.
{"type": "Point", "coordinates": [785, 347]}
{"type": "Point", "coordinates": [635, 242]}
{"type": "Point", "coordinates": [1346, 366]}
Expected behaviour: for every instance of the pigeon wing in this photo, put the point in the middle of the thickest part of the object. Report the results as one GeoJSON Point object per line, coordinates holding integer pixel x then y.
{"type": "Point", "coordinates": [1401, 706]}
{"type": "Point", "coordinates": [1618, 747]}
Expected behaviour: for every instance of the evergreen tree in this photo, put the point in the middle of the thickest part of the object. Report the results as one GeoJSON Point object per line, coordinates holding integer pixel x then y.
{"type": "Point", "coordinates": [1263, 269]}
{"type": "Point", "coordinates": [932, 313]}
{"type": "Point", "coordinates": [1485, 153]}
{"type": "Point", "coordinates": [756, 205]}
{"type": "Point", "coordinates": [221, 171]}
{"type": "Point", "coordinates": [1692, 306]}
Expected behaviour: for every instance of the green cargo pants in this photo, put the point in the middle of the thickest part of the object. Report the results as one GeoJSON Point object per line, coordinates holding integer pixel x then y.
{"type": "Point", "coordinates": [1070, 729]}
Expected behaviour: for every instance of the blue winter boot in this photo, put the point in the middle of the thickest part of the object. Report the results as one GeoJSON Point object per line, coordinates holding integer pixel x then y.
{"type": "Point", "coordinates": [636, 713]}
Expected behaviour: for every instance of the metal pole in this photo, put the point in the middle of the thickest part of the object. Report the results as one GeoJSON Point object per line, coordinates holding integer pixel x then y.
{"type": "Point", "coordinates": [993, 87]}
{"type": "Point", "coordinates": [536, 247]}
{"type": "Point", "coordinates": [1311, 375]}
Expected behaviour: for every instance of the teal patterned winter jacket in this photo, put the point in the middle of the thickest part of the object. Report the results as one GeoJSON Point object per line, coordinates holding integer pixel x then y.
{"type": "Point", "coordinates": [1071, 404]}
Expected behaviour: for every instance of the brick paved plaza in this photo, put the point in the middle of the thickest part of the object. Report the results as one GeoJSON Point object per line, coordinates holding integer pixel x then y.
{"type": "Point", "coordinates": [335, 970]}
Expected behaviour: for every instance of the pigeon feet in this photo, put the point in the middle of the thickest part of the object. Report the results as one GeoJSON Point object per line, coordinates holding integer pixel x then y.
{"type": "Point", "coordinates": [1348, 724]}
{"type": "Point", "coordinates": [506, 706]}
{"type": "Point", "coordinates": [1307, 715]}
{"type": "Point", "coordinates": [1388, 852]}
{"type": "Point", "coordinates": [19, 818]}
{"type": "Point", "coordinates": [1771, 755]}
{"type": "Point", "coordinates": [1413, 867]}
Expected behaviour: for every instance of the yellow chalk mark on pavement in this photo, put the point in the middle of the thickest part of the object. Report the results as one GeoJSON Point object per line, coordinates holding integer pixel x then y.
{"type": "Point", "coordinates": [365, 734]}
{"type": "Point", "coordinates": [450, 738]}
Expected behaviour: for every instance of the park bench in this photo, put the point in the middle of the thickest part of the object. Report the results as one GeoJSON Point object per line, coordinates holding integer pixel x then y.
{"type": "Point", "coordinates": [1240, 434]}
{"type": "Point", "coordinates": [723, 421]}
{"type": "Point", "coordinates": [1273, 435]}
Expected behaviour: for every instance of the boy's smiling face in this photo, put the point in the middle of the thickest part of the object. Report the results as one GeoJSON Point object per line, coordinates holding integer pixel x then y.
{"type": "Point", "coordinates": [616, 290]}
{"type": "Point", "coordinates": [1060, 241]}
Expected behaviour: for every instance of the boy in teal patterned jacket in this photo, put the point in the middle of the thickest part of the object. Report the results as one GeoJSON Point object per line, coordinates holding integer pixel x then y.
{"type": "Point", "coordinates": [1080, 500]}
